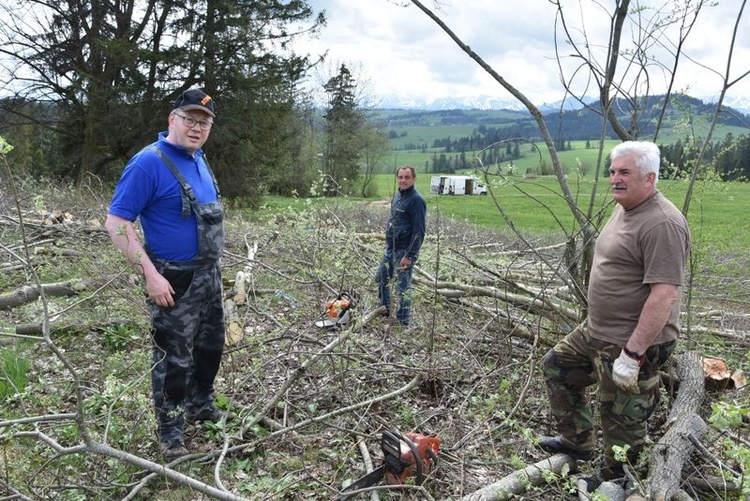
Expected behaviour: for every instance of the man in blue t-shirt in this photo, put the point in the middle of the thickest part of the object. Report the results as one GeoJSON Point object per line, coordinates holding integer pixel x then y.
{"type": "Point", "coordinates": [170, 188]}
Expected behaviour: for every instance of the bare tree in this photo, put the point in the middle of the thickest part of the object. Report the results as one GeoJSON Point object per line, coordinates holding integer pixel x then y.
{"type": "Point", "coordinates": [621, 72]}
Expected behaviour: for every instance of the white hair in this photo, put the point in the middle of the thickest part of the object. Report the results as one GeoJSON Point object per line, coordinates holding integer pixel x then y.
{"type": "Point", "coordinates": [647, 155]}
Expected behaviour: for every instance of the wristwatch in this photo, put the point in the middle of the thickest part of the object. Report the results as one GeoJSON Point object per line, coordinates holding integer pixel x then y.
{"type": "Point", "coordinates": [635, 356]}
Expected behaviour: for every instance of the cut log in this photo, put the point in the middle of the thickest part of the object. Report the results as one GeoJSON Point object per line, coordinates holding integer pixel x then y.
{"type": "Point", "coordinates": [610, 491]}
{"type": "Point", "coordinates": [68, 327]}
{"type": "Point", "coordinates": [719, 377]}
{"type": "Point", "coordinates": [674, 448]}
{"type": "Point", "coordinates": [517, 482]}
{"type": "Point", "coordinates": [234, 332]}
{"type": "Point", "coordinates": [29, 293]}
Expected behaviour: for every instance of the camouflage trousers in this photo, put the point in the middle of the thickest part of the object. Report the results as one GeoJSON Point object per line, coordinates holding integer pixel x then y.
{"type": "Point", "coordinates": [578, 361]}
{"type": "Point", "coordinates": [187, 343]}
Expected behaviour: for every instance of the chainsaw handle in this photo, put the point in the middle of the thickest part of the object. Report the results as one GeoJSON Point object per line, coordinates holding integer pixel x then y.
{"type": "Point", "coordinates": [415, 454]}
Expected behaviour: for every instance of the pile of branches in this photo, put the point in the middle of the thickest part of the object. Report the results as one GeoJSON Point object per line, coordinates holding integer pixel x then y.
{"type": "Point", "coordinates": [312, 403]}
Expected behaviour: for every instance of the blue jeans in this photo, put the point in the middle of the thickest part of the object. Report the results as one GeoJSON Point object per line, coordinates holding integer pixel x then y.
{"type": "Point", "coordinates": [390, 266]}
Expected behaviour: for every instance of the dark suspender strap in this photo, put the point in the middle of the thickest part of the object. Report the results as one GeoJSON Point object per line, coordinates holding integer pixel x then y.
{"type": "Point", "coordinates": [213, 178]}
{"type": "Point", "coordinates": [188, 197]}
{"type": "Point", "coordinates": [179, 175]}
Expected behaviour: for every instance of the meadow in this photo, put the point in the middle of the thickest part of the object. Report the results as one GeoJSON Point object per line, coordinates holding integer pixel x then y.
{"type": "Point", "coordinates": [534, 156]}
{"type": "Point", "coordinates": [717, 215]}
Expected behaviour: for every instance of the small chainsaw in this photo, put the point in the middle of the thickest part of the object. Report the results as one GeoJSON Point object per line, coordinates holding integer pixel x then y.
{"type": "Point", "coordinates": [404, 456]}
{"type": "Point", "coordinates": [337, 310]}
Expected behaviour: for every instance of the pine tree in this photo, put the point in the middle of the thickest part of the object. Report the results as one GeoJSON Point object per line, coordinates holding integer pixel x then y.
{"type": "Point", "coordinates": [343, 142]}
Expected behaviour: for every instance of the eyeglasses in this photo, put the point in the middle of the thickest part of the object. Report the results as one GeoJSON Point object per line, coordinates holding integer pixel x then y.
{"type": "Point", "coordinates": [190, 122]}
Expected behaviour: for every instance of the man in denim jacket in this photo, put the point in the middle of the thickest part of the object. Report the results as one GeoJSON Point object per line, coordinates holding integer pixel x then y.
{"type": "Point", "coordinates": [404, 234]}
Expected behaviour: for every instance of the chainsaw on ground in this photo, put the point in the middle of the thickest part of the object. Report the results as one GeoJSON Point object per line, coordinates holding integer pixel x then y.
{"type": "Point", "coordinates": [404, 456]}
{"type": "Point", "coordinates": [337, 311]}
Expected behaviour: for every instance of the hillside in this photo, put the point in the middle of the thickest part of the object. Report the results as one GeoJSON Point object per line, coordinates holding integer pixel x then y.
{"type": "Point", "coordinates": [413, 129]}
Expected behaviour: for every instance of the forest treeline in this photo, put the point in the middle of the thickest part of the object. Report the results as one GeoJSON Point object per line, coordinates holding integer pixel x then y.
{"type": "Point", "coordinates": [500, 143]}
{"type": "Point", "coordinates": [85, 88]}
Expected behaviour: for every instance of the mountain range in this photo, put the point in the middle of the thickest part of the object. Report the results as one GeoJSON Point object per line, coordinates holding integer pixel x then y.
{"type": "Point", "coordinates": [486, 102]}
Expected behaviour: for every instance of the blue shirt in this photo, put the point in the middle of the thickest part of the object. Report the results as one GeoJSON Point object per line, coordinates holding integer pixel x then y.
{"type": "Point", "coordinates": [149, 191]}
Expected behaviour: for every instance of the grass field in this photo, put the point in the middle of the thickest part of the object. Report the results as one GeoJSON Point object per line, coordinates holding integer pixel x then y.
{"type": "Point", "coordinates": [717, 216]}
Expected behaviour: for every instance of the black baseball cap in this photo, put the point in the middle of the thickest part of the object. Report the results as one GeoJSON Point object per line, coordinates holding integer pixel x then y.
{"type": "Point", "coordinates": [195, 99]}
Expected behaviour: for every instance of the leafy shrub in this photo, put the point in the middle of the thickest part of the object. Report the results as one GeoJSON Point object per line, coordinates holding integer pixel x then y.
{"type": "Point", "coordinates": [119, 337]}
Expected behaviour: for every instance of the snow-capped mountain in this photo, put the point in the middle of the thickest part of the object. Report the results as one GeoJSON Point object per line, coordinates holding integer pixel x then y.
{"type": "Point", "coordinates": [485, 102]}
{"type": "Point", "coordinates": [479, 102]}
{"type": "Point", "coordinates": [740, 103]}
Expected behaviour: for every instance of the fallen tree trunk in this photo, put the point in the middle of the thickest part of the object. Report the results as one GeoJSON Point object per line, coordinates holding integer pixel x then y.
{"type": "Point", "coordinates": [517, 482]}
{"type": "Point", "coordinates": [538, 304]}
{"type": "Point", "coordinates": [675, 447]}
{"type": "Point", "coordinates": [29, 293]}
{"type": "Point", "coordinates": [68, 327]}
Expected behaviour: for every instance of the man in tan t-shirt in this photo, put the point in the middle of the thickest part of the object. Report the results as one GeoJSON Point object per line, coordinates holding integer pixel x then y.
{"type": "Point", "coordinates": [634, 306]}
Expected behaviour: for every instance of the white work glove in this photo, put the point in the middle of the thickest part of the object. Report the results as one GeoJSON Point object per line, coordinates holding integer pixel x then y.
{"type": "Point", "coordinates": [625, 373]}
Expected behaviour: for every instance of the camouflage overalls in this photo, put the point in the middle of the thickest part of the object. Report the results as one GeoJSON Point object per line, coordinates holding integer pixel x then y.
{"type": "Point", "coordinates": [578, 361]}
{"type": "Point", "coordinates": [188, 338]}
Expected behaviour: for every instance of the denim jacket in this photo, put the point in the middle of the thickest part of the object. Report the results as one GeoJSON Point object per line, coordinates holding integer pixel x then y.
{"type": "Point", "coordinates": [406, 225]}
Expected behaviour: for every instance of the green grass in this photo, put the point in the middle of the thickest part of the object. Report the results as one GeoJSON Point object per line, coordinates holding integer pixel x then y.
{"type": "Point", "coordinates": [717, 214]}
{"type": "Point", "coordinates": [13, 373]}
{"type": "Point", "coordinates": [536, 206]}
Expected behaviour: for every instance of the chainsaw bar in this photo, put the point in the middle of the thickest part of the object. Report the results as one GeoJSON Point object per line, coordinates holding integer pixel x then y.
{"type": "Point", "coordinates": [368, 480]}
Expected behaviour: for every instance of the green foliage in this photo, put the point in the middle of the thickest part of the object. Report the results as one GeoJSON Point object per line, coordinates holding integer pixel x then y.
{"type": "Point", "coordinates": [13, 376]}
{"type": "Point", "coordinates": [621, 453]}
{"type": "Point", "coordinates": [5, 147]}
{"type": "Point", "coordinates": [726, 416]}
{"type": "Point", "coordinates": [128, 68]}
{"type": "Point", "coordinates": [343, 126]}
{"type": "Point", "coordinates": [120, 337]}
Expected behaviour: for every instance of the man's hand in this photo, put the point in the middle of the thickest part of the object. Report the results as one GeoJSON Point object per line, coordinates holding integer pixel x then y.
{"type": "Point", "coordinates": [625, 373]}
{"type": "Point", "coordinates": [405, 263]}
{"type": "Point", "coordinates": [160, 290]}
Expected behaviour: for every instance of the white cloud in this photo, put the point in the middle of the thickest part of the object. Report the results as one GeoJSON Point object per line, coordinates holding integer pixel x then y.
{"type": "Point", "coordinates": [401, 51]}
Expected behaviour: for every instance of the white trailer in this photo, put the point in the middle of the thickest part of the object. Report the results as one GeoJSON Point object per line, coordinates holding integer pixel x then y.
{"type": "Point", "coordinates": [456, 185]}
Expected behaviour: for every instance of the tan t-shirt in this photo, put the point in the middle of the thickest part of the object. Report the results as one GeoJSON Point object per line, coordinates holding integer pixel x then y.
{"type": "Point", "coordinates": [648, 244]}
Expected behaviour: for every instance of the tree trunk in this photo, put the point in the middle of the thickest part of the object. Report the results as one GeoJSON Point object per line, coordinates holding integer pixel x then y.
{"type": "Point", "coordinates": [29, 293]}
{"type": "Point", "coordinates": [517, 482]}
{"type": "Point", "coordinates": [675, 447]}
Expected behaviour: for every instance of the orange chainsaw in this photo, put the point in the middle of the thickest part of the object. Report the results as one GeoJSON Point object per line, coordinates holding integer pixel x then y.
{"type": "Point", "coordinates": [404, 456]}
{"type": "Point", "coordinates": [337, 310]}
